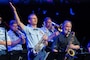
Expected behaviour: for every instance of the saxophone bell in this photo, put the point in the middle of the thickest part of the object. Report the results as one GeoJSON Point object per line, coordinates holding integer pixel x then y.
{"type": "Point", "coordinates": [71, 52]}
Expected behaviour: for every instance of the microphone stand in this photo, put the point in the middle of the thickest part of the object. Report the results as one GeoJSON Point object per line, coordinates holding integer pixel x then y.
{"type": "Point", "coordinates": [4, 26]}
{"type": "Point", "coordinates": [6, 39]}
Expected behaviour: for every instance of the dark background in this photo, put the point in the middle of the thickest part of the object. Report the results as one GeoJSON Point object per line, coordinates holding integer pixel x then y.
{"type": "Point", "coordinates": [58, 10]}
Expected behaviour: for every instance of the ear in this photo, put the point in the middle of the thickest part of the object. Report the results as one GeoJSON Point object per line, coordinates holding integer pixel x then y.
{"type": "Point", "coordinates": [29, 21]}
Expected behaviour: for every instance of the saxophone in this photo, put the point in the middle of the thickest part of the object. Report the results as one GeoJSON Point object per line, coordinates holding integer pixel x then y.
{"type": "Point", "coordinates": [70, 52]}
{"type": "Point", "coordinates": [39, 46]}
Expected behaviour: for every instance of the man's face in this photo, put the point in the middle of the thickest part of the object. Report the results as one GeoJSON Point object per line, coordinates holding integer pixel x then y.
{"type": "Point", "coordinates": [49, 23]}
{"type": "Point", "coordinates": [14, 27]}
{"type": "Point", "coordinates": [67, 27]}
{"type": "Point", "coordinates": [33, 20]}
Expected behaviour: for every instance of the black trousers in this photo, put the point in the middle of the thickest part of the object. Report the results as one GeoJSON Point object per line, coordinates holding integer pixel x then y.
{"type": "Point", "coordinates": [49, 47]}
{"type": "Point", "coordinates": [4, 55]}
{"type": "Point", "coordinates": [57, 56]}
{"type": "Point", "coordinates": [17, 55]}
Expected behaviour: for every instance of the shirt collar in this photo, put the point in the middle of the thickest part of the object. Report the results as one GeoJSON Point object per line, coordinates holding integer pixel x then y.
{"type": "Point", "coordinates": [35, 28]}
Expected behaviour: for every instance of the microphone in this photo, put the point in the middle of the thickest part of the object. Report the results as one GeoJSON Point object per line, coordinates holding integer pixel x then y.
{"type": "Point", "coordinates": [68, 32]}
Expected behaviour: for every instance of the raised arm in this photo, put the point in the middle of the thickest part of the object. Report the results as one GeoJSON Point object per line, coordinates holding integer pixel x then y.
{"type": "Point", "coordinates": [16, 16]}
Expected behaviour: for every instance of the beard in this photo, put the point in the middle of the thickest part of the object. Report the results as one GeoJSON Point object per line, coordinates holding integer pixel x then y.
{"type": "Point", "coordinates": [67, 32]}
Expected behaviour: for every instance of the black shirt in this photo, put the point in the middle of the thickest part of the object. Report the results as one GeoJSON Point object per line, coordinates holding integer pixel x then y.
{"type": "Point", "coordinates": [61, 42]}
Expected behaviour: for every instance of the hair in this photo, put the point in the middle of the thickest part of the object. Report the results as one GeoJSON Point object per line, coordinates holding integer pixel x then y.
{"type": "Point", "coordinates": [65, 22]}
{"type": "Point", "coordinates": [47, 18]}
{"type": "Point", "coordinates": [30, 15]}
{"type": "Point", "coordinates": [12, 22]}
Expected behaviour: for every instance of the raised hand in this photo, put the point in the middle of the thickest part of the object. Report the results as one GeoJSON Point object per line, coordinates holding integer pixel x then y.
{"type": "Point", "coordinates": [16, 17]}
{"type": "Point", "coordinates": [12, 6]}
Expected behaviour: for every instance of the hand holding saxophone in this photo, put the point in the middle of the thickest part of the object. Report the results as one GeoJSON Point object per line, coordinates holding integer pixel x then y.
{"type": "Point", "coordinates": [45, 40]}
{"type": "Point", "coordinates": [70, 44]}
{"type": "Point", "coordinates": [76, 47]}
